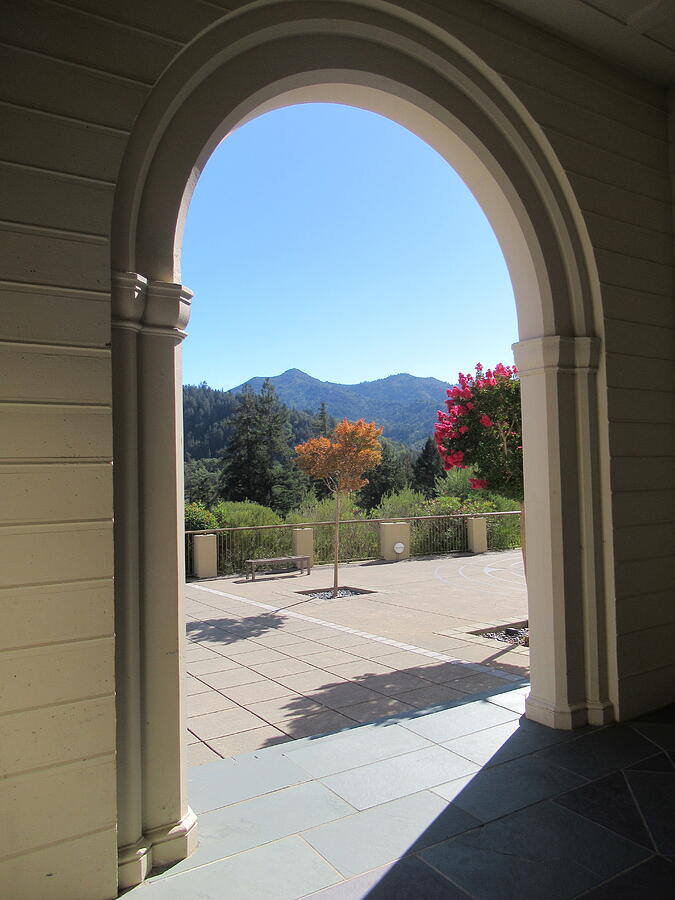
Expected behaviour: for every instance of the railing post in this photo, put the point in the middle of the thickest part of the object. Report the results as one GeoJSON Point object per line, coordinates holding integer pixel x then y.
{"type": "Point", "coordinates": [303, 543]}
{"type": "Point", "coordinates": [393, 534]}
{"type": "Point", "coordinates": [205, 555]}
{"type": "Point", "coordinates": [476, 535]}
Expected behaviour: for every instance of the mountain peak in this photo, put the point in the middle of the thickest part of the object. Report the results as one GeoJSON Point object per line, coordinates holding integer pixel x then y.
{"type": "Point", "coordinates": [404, 404]}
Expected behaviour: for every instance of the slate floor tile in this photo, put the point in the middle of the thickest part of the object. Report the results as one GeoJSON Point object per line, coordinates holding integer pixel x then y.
{"type": "Point", "coordinates": [662, 733]}
{"type": "Point", "coordinates": [284, 870]}
{"type": "Point", "coordinates": [398, 776]}
{"type": "Point", "coordinates": [460, 720]}
{"type": "Point", "coordinates": [609, 802]}
{"type": "Point", "coordinates": [336, 753]}
{"type": "Point", "coordinates": [507, 741]}
{"type": "Point", "coordinates": [598, 753]}
{"type": "Point", "coordinates": [368, 839]}
{"type": "Point", "coordinates": [231, 780]}
{"type": "Point", "coordinates": [242, 826]}
{"type": "Point", "coordinates": [544, 851]}
{"type": "Point", "coordinates": [654, 793]}
{"type": "Point", "coordinates": [409, 879]}
{"type": "Point", "coordinates": [651, 880]}
{"type": "Point", "coordinates": [499, 790]}
{"type": "Point", "coordinates": [660, 762]}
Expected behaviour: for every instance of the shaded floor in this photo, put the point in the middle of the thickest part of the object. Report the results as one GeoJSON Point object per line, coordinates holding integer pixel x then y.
{"type": "Point", "coordinates": [471, 801]}
{"type": "Point", "coordinates": [266, 664]}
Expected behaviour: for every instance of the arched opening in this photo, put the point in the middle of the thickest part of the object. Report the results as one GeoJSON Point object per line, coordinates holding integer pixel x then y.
{"type": "Point", "coordinates": [402, 68]}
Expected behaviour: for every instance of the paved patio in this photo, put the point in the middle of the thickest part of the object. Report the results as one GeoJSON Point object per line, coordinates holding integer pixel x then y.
{"type": "Point", "coordinates": [471, 801]}
{"type": "Point", "coordinates": [267, 664]}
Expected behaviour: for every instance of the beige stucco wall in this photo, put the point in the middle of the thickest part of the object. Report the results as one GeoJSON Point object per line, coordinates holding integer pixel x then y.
{"type": "Point", "coordinates": [73, 77]}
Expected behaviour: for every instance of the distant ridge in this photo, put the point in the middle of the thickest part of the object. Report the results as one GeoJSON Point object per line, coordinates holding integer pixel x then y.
{"type": "Point", "coordinates": [404, 404]}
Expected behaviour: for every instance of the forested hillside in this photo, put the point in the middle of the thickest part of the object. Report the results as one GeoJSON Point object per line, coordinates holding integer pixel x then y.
{"type": "Point", "coordinates": [404, 405]}
{"type": "Point", "coordinates": [207, 421]}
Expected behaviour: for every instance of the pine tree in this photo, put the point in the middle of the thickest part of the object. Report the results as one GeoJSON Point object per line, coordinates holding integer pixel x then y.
{"type": "Point", "coordinates": [427, 468]}
{"type": "Point", "coordinates": [388, 477]}
{"type": "Point", "coordinates": [241, 462]}
{"type": "Point", "coordinates": [322, 425]}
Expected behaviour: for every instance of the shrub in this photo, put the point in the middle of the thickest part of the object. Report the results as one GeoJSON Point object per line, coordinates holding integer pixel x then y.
{"type": "Point", "coordinates": [198, 517]}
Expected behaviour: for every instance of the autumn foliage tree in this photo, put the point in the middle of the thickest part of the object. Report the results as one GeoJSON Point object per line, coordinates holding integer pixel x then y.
{"type": "Point", "coordinates": [340, 464]}
{"type": "Point", "coordinates": [482, 429]}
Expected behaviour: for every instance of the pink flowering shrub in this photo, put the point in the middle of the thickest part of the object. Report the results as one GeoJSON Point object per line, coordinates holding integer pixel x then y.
{"type": "Point", "coordinates": [482, 429]}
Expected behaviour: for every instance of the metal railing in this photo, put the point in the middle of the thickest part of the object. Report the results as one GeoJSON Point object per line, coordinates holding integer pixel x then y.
{"type": "Point", "coordinates": [359, 538]}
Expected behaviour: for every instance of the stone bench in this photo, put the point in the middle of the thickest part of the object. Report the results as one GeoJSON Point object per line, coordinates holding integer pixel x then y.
{"type": "Point", "coordinates": [301, 562]}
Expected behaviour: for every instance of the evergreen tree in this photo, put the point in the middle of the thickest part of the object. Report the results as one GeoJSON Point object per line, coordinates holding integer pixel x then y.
{"type": "Point", "coordinates": [240, 473]}
{"type": "Point", "coordinates": [322, 424]}
{"type": "Point", "coordinates": [389, 477]}
{"type": "Point", "coordinates": [427, 468]}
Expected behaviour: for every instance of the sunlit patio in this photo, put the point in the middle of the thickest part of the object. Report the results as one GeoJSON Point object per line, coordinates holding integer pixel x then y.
{"type": "Point", "coordinates": [268, 664]}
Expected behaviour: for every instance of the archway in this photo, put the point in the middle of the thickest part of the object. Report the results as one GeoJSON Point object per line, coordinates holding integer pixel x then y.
{"type": "Point", "coordinates": [404, 68]}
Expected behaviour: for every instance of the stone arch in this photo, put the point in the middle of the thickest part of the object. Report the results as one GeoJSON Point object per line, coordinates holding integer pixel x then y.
{"type": "Point", "coordinates": [376, 56]}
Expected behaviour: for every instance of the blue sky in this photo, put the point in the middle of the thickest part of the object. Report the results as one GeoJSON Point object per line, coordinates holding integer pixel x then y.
{"type": "Point", "coordinates": [330, 239]}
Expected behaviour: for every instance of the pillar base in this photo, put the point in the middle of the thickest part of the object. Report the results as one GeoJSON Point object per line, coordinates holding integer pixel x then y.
{"type": "Point", "coordinates": [564, 717]}
{"type": "Point", "coordinates": [600, 713]}
{"type": "Point", "coordinates": [134, 862]}
{"type": "Point", "coordinates": [172, 843]}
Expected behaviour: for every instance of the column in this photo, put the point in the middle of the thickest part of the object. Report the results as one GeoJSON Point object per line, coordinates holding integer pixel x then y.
{"type": "Point", "coordinates": [167, 820]}
{"type": "Point", "coordinates": [128, 302]}
{"type": "Point", "coordinates": [566, 599]}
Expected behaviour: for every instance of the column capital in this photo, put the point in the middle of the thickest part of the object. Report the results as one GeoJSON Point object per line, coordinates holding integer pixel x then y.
{"type": "Point", "coordinates": [167, 309]}
{"type": "Point", "coordinates": [556, 353]}
{"type": "Point", "coordinates": [129, 292]}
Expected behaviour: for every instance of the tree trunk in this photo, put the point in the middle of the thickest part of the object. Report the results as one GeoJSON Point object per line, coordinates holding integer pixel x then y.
{"type": "Point", "coordinates": [337, 544]}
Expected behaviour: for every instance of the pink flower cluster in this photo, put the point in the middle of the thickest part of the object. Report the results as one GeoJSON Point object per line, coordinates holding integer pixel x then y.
{"type": "Point", "coordinates": [448, 427]}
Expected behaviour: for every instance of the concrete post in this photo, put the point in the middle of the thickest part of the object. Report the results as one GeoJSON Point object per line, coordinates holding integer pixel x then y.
{"type": "Point", "coordinates": [134, 849]}
{"type": "Point", "coordinates": [476, 534]}
{"type": "Point", "coordinates": [392, 534]}
{"type": "Point", "coordinates": [303, 543]}
{"type": "Point", "coordinates": [167, 819]}
{"type": "Point", "coordinates": [205, 555]}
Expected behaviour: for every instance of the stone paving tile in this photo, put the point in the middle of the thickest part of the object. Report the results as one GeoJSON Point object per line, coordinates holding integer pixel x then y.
{"type": "Point", "coordinates": [359, 668]}
{"type": "Point", "coordinates": [208, 666]}
{"type": "Point", "coordinates": [240, 778]}
{"type": "Point", "coordinates": [539, 852]}
{"type": "Point", "coordinates": [248, 694]}
{"type": "Point", "coordinates": [318, 723]}
{"type": "Point", "coordinates": [227, 721]}
{"type": "Point", "coordinates": [409, 879]}
{"type": "Point", "coordinates": [653, 879]}
{"type": "Point", "coordinates": [282, 667]}
{"type": "Point", "coordinates": [398, 776]}
{"type": "Point", "coordinates": [430, 696]}
{"type": "Point", "coordinates": [497, 791]}
{"type": "Point", "coordinates": [246, 741]}
{"type": "Point", "coordinates": [654, 793]}
{"type": "Point", "coordinates": [283, 870]}
{"type": "Point", "coordinates": [194, 686]}
{"type": "Point", "coordinates": [251, 657]}
{"type": "Point", "coordinates": [352, 749]}
{"type": "Point", "coordinates": [507, 741]}
{"type": "Point", "coordinates": [233, 829]}
{"type": "Point", "coordinates": [286, 708]}
{"type": "Point", "coordinates": [310, 681]}
{"type": "Point", "coordinates": [198, 754]}
{"type": "Point", "coordinates": [368, 839]}
{"type": "Point", "coordinates": [200, 704]}
{"type": "Point", "coordinates": [371, 710]}
{"type": "Point", "coordinates": [232, 678]}
{"type": "Point", "coordinates": [394, 682]}
{"type": "Point", "coordinates": [459, 720]}
{"type": "Point", "coordinates": [598, 753]}
{"type": "Point", "coordinates": [197, 652]}
{"type": "Point", "coordinates": [330, 658]}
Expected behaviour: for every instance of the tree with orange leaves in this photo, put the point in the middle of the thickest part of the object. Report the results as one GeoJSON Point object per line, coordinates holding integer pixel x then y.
{"type": "Point", "coordinates": [340, 463]}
